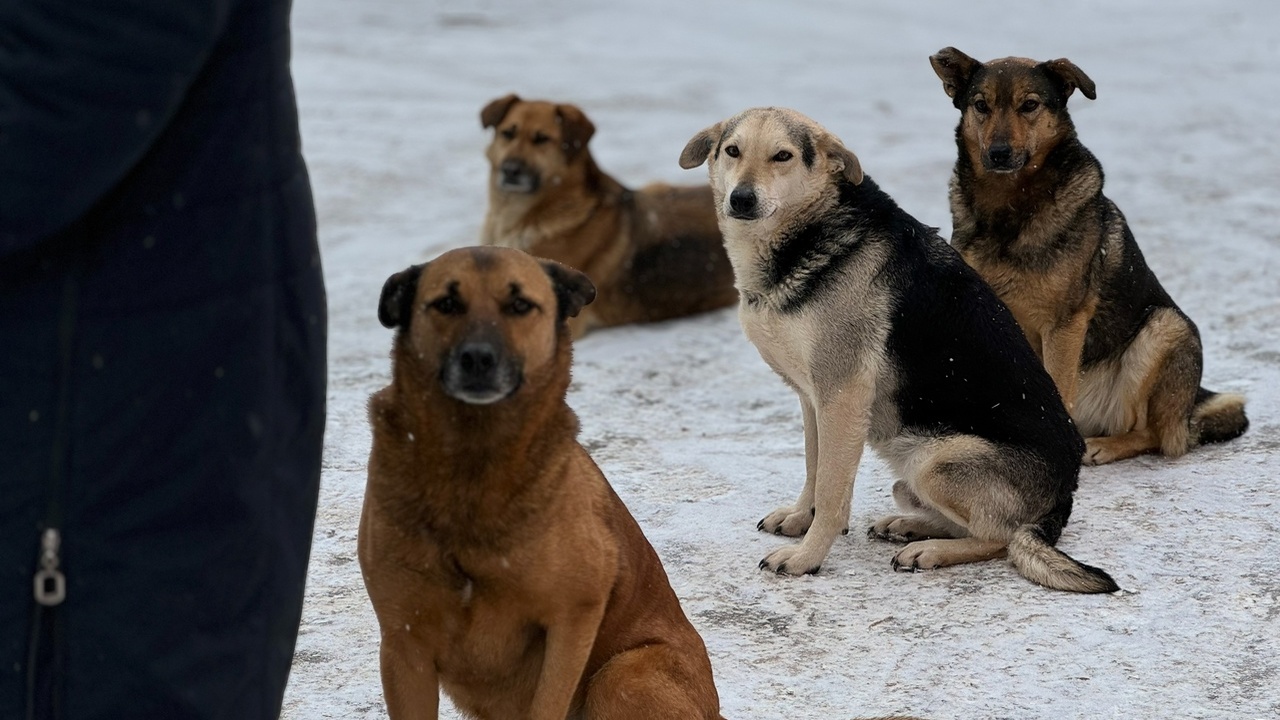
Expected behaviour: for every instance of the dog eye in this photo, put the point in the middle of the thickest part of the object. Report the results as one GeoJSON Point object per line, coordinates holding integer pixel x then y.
{"type": "Point", "coordinates": [1029, 106]}
{"type": "Point", "coordinates": [731, 150]}
{"type": "Point", "coordinates": [539, 138]}
{"type": "Point", "coordinates": [448, 305]}
{"type": "Point", "coordinates": [782, 156]}
{"type": "Point", "coordinates": [509, 133]}
{"type": "Point", "coordinates": [982, 106]}
{"type": "Point", "coordinates": [520, 306]}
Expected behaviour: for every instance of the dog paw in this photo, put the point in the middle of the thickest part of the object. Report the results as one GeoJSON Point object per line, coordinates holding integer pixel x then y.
{"type": "Point", "coordinates": [787, 521]}
{"type": "Point", "coordinates": [1097, 451]}
{"type": "Point", "coordinates": [916, 557]}
{"type": "Point", "coordinates": [792, 560]}
{"type": "Point", "coordinates": [893, 528]}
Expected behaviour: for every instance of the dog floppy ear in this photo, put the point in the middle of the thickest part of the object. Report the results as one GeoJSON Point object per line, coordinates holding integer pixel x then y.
{"type": "Point", "coordinates": [493, 113]}
{"type": "Point", "coordinates": [699, 146]}
{"type": "Point", "coordinates": [573, 289]}
{"type": "Point", "coordinates": [843, 160]}
{"type": "Point", "coordinates": [1071, 77]}
{"type": "Point", "coordinates": [575, 128]}
{"type": "Point", "coordinates": [395, 307]}
{"type": "Point", "coordinates": [954, 68]}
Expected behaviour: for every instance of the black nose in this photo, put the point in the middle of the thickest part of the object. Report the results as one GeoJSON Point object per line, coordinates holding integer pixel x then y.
{"type": "Point", "coordinates": [742, 200]}
{"type": "Point", "coordinates": [512, 169]}
{"type": "Point", "coordinates": [477, 360]}
{"type": "Point", "coordinates": [1000, 154]}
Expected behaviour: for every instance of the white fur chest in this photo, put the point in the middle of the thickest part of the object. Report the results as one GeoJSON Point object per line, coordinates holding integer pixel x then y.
{"type": "Point", "coordinates": [785, 342]}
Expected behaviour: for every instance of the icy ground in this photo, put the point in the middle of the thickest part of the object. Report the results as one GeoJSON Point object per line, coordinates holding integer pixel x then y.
{"type": "Point", "coordinates": [701, 440]}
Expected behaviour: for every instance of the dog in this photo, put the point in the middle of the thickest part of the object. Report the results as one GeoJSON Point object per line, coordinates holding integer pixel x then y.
{"type": "Point", "coordinates": [653, 254]}
{"type": "Point", "coordinates": [1030, 217]}
{"type": "Point", "coordinates": [500, 563]}
{"type": "Point", "coordinates": [889, 339]}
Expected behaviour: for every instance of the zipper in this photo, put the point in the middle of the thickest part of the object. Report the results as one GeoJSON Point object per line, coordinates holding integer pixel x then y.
{"type": "Point", "coordinates": [49, 584]}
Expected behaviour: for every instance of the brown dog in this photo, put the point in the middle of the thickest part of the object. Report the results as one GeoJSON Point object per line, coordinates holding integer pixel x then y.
{"type": "Point", "coordinates": [653, 254]}
{"type": "Point", "coordinates": [500, 563]}
{"type": "Point", "coordinates": [1030, 217]}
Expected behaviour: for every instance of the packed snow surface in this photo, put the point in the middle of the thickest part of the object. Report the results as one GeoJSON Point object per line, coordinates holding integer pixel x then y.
{"type": "Point", "coordinates": [698, 436]}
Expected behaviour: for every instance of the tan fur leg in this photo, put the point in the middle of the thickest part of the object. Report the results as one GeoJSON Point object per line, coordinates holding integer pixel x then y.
{"type": "Point", "coordinates": [640, 684]}
{"type": "Point", "coordinates": [1063, 346]}
{"type": "Point", "coordinates": [794, 520]}
{"type": "Point", "coordinates": [1143, 402]}
{"type": "Point", "coordinates": [930, 554]}
{"type": "Point", "coordinates": [409, 682]}
{"type": "Point", "coordinates": [908, 528]}
{"type": "Point", "coordinates": [1108, 449]}
{"type": "Point", "coordinates": [568, 644]}
{"type": "Point", "coordinates": [842, 422]}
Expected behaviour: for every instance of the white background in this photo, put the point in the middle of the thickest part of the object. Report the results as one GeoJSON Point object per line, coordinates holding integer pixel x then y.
{"type": "Point", "coordinates": [701, 440]}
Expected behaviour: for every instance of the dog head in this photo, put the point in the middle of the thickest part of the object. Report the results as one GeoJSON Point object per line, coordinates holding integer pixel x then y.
{"type": "Point", "coordinates": [763, 160]}
{"type": "Point", "coordinates": [534, 144]}
{"type": "Point", "coordinates": [481, 320]}
{"type": "Point", "coordinates": [1013, 111]}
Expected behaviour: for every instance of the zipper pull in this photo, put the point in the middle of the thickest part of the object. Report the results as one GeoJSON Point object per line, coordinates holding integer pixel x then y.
{"type": "Point", "coordinates": [50, 583]}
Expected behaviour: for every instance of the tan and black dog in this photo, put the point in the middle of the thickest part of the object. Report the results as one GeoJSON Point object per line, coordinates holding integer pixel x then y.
{"type": "Point", "coordinates": [1030, 216]}
{"type": "Point", "coordinates": [502, 567]}
{"type": "Point", "coordinates": [891, 341]}
{"type": "Point", "coordinates": [653, 254]}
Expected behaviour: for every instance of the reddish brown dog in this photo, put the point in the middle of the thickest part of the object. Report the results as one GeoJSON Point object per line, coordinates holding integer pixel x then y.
{"type": "Point", "coordinates": [653, 254]}
{"type": "Point", "coordinates": [502, 567]}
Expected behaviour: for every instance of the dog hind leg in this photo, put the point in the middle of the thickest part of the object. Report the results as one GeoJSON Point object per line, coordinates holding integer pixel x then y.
{"type": "Point", "coordinates": [650, 683]}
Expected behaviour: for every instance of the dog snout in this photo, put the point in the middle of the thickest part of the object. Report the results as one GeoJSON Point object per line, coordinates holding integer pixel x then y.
{"type": "Point", "coordinates": [1000, 154]}
{"type": "Point", "coordinates": [477, 372]}
{"type": "Point", "coordinates": [743, 203]}
{"type": "Point", "coordinates": [517, 176]}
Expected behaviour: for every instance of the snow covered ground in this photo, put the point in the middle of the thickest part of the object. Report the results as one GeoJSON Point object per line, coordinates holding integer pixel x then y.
{"type": "Point", "coordinates": [701, 440]}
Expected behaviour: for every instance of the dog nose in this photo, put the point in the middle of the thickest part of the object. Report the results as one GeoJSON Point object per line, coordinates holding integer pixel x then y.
{"type": "Point", "coordinates": [742, 200]}
{"type": "Point", "coordinates": [1000, 154]}
{"type": "Point", "coordinates": [477, 360]}
{"type": "Point", "coordinates": [511, 169]}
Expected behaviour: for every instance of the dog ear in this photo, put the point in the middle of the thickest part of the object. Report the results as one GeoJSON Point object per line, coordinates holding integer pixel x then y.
{"type": "Point", "coordinates": [845, 162]}
{"type": "Point", "coordinates": [573, 289]}
{"type": "Point", "coordinates": [395, 307]}
{"type": "Point", "coordinates": [575, 129]}
{"type": "Point", "coordinates": [493, 113]}
{"type": "Point", "coordinates": [954, 68]}
{"type": "Point", "coordinates": [1071, 77]}
{"type": "Point", "coordinates": [699, 146]}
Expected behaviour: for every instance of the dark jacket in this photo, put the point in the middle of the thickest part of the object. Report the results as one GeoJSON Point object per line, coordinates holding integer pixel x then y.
{"type": "Point", "coordinates": [162, 382]}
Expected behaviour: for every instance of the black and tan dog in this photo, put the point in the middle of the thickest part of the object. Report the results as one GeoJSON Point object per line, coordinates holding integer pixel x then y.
{"type": "Point", "coordinates": [502, 567]}
{"type": "Point", "coordinates": [653, 254]}
{"type": "Point", "coordinates": [1030, 216]}
{"type": "Point", "coordinates": [890, 340]}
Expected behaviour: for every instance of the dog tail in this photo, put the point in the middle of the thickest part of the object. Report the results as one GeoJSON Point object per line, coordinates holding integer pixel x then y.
{"type": "Point", "coordinates": [1217, 417]}
{"type": "Point", "coordinates": [1040, 562]}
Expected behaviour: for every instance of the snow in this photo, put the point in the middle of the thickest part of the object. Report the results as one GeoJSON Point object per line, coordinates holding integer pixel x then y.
{"type": "Point", "coordinates": [701, 439]}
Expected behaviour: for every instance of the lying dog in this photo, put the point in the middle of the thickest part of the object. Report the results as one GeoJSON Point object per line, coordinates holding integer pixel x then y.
{"type": "Point", "coordinates": [889, 339]}
{"type": "Point", "coordinates": [1030, 217]}
{"type": "Point", "coordinates": [653, 254]}
{"type": "Point", "coordinates": [500, 563]}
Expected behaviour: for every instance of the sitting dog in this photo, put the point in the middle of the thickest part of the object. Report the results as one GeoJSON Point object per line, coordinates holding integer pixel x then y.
{"type": "Point", "coordinates": [889, 339]}
{"type": "Point", "coordinates": [500, 563]}
{"type": "Point", "coordinates": [1030, 217]}
{"type": "Point", "coordinates": [653, 254]}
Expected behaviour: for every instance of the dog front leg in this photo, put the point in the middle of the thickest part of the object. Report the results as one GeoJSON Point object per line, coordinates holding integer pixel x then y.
{"type": "Point", "coordinates": [569, 641]}
{"type": "Point", "coordinates": [794, 520]}
{"type": "Point", "coordinates": [843, 420]}
{"type": "Point", "coordinates": [1063, 347]}
{"type": "Point", "coordinates": [409, 681]}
